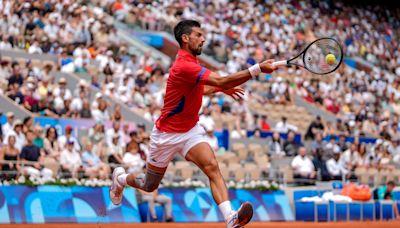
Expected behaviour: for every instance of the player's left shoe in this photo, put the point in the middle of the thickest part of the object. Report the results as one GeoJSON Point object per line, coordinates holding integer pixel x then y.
{"type": "Point", "coordinates": [240, 217]}
{"type": "Point", "coordinates": [116, 189]}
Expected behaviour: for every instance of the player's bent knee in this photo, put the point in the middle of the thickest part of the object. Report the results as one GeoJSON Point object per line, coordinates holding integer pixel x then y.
{"type": "Point", "coordinates": [211, 169]}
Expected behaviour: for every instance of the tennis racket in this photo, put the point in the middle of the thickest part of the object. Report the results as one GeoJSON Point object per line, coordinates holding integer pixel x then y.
{"type": "Point", "coordinates": [313, 58]}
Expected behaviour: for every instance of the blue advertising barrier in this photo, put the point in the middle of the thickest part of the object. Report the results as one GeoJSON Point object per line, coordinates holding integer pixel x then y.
{"type": "Point", "coordinates": [197, 205]}
{"type": "Point", "coordinates": [56, 204]}
{"type": "Point", "coordinates": [151, 39]}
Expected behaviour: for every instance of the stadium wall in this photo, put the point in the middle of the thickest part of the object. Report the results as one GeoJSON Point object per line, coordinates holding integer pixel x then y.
{"type": "Point", "coordinates": [56, 204]}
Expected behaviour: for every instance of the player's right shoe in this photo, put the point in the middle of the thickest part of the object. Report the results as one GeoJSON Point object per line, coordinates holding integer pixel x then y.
{"type": "Point", "coordinates": [240, 217]}
{"type": "Point", "coordinates": [116, 189]}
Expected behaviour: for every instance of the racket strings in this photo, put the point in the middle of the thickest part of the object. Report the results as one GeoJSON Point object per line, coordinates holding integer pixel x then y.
{"type": "Point", "coordinates": [316, 53]}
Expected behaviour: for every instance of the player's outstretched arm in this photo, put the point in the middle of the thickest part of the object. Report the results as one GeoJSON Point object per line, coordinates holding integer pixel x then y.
{"type": "Point", "coordinates": [240, 77]}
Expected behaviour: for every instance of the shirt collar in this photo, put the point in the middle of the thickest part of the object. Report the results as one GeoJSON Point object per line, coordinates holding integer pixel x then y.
{"type": "Point", "coordinates": [186, 55]}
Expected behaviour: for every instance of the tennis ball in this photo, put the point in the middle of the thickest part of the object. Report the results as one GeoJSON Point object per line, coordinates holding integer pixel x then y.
{"type": "Point", "coordinates": [330, 59]}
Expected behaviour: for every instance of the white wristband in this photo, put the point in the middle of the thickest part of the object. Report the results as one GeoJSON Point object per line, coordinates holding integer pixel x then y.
{"type": "Point", "coordinates": [255, 70]}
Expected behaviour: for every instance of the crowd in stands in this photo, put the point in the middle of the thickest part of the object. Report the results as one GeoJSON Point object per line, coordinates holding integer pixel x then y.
{"type": "Point", "coordinates": [242, 32]}
{"type": "Point", "coordinates": [31, 150]}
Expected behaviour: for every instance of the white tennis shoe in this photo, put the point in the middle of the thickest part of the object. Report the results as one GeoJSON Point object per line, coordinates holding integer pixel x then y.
{"type": "Point", "coordinates": [116, 189]}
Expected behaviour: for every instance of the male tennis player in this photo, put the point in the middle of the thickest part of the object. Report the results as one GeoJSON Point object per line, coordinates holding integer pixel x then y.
{"type": "Point", "coordinates": [177, 131]}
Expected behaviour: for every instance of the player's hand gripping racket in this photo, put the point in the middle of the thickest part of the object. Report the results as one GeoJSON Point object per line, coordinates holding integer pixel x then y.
{"type": "Point", "coordinates": [323, 56]}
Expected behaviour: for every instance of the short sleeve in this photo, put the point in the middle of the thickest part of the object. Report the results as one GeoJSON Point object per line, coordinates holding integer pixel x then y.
{"type": "Point", "coordinates": [23, 153]}
{"type": "Point", "coordinates": [192, 73]}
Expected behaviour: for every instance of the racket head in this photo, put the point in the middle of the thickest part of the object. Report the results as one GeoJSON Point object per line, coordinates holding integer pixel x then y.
{"type": "Point", "coordinates": [314, 56]}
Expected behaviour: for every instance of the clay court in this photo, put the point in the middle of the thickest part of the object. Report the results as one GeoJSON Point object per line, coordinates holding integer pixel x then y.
{"type": "Point", "coordinates": [216, 225]}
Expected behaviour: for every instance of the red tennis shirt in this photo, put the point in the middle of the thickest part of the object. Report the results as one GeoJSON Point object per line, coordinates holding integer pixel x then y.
{"type": "Point", "coordinates": [184, 94]}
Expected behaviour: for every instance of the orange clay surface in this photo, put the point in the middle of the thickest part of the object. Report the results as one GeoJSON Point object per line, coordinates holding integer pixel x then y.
{"type": "Point", "coordinates": [391, 224]}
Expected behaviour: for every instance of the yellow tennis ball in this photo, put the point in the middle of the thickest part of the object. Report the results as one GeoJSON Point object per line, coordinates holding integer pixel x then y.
{"type": "Point", "coordinates": [330, 59]}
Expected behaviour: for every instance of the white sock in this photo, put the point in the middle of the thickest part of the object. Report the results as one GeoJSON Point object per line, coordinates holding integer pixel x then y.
{"type": "Point", "coordinates": [122, 179]}
{"type": "Point", "coordinates": [226, 209]}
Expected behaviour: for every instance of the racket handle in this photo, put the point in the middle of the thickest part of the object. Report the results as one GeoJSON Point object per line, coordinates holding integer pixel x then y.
{"type": "Point", "coordinates": [279, 63]}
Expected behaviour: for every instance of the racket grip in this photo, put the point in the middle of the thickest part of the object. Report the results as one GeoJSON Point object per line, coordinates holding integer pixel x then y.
{"type": "Point", "coordinates": [279, 63]}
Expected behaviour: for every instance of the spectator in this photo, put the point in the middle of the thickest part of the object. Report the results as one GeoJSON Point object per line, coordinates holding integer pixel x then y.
{"type": "Point", "coordinates": [115, 151]}
{"type": "Point", "coordinates": [96, 134]}
{"type": "Point", "coordinates": [153, 197]}
{"type": "Point", "coordinates": [115, 130]}
{"type": "Point", "coordinates": [275, 146]}
{"type": "Point", "coordinates": [132, 158]}
{"type": "Point", "coordinates": [31, 157]}
{"type": "Point", "coordinates": [206, 119]}
{"type": "Point", "coordinates": [27, 124]}
{"type": "Point", "coordinates": [317, 143]}
{"type": "Point", "coordinates": [8, 126]}
{"type": "Point", "coordinates": [85, 112]}
{"type": "Point", "coordinates": [315, 127]}
{"type": "Point", "coordinates": [11, 154]}
{"type": "Point", "coordinates": [63, 139]}
{"type": "Point", "coordinates": [211, 139]}
{"type": "Point", "coordinates": [51, 145]}
{"type": "Point", "coordinates": [264, 124]}
{"type": "Point", "coordinates": [20, 136]}
{"type": "Point", "coordinates": [15, 93]}
{"type": "Point", "coordinates": [320, 166]}
{"type": "Point", "coordinates": [302, 165]}
{"type": "Point", "coordinates": [335, 166]}
{"type": "Point", "coordinates": [101, 114]}
{"type": "Point", "coordinates": [92, 164]}
{"type": "Point", "coordinates": [289, 146]}
{"type": "Point", "coordinates": [386, 193]}
{"type": "Point", "coordinates": [70, 160]}
{"type": "Point", "coordinates": [38, 141]}
{"type": "Point", "coordinates": [343, 144]}
{"type": "Point", "coordinates": [62, 91]}
{"type": "Point", "coordinates": [283, 126]}
{"type": "Point", "coordinates": [351, 159]}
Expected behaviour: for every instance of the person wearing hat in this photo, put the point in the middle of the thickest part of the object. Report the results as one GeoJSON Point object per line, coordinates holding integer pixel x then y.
{"type": "Point", "coordinates": [70, 160]}
{"type": "Point", "coordinates": [9, 125]}
{"type": "Point", "coordinates": [63, 139]}
{"type": "Point", "coordinates": [82, 87]}
{"type": "Point", "coordinates": [20, 139]}
{"type": "Point", "coordinates": [62, 91]}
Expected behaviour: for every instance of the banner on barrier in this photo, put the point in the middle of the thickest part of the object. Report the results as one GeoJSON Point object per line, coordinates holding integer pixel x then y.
{"type": "Point", "coordinates": [197, 205]}
{"type": "Point", "coordinates": [56, 204]}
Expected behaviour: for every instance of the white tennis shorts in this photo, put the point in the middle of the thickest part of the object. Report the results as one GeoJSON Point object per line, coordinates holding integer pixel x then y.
{"type": "Point", "coordinates": [165, 145]}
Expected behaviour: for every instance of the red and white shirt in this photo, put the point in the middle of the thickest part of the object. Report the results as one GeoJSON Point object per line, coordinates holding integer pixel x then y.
{"type": "Point", "coordinates": [184, 93]}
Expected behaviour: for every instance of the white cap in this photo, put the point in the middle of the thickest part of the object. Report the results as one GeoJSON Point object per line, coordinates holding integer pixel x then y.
{"type": "Point", "coordinates": [82, 82]}
{"type": "Point", "coordinates": [98, 95]}
{"type": "Point", "coordinates": [122, 89]}
{"type": "Point", "coordinates": [111, 85]}
{"type": "Point", "coordinates": [128, 71]}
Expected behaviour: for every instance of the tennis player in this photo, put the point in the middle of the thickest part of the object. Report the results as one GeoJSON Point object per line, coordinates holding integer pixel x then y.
{"type": "Point", "coordinates": [177, 130]}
